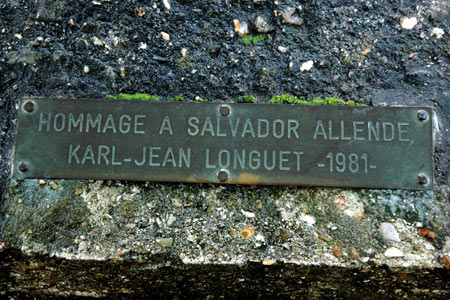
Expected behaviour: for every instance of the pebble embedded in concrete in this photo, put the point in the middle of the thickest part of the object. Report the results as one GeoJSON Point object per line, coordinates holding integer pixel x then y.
{"type": "Point", "coordinates": [289, 15]}
{"type": "Point", "coordinates": [408, 23]}
{"type": "Point", "coordinates": [247, 232]}
{"type": "Point", "coordinates": [82, 246]}
{"type": "Point", "coordinates": [337, 251]}
{"type": "Point", "coordinates": [282, 49]}
{"type": "Point", "coordinates": [262, 24]}
{"type": "Point", "coordinates": [241, 28]}
{"type": "Point", "coordinates": [165, 242]}
{"type": "Point", "coordinates": [248, 214]}
{"type": "Point", "coordinates": [389, 232]}
{"type": "Point", "coordinates": [165, 36]}
{"type": "Point", "coordinates": [306, 66]}
{"type": "Point", "coordinates": [437, 32]}
{"type": "Point", "coordinates": [53, 185]}
{"type": "Point", "coordinates": [97, 41]}
{"type": "Point", "coordinates": [268, 261]}
{"type": "Point", "coordinates": [393, 252]}
{"type": "Point", "coordinates": [166, 4]}
{"type": "Point", "coordinates": [310, 220]}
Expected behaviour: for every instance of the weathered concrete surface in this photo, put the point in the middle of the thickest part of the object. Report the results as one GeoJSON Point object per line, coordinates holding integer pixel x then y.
{"type": "Point", "coordinates": [179, 240]}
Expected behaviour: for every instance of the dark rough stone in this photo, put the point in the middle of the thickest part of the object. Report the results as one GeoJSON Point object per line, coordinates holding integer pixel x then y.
{"type": "Point", "coordinates": [232, 282]}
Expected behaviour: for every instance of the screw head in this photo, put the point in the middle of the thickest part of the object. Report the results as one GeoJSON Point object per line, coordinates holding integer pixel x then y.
{"type": "Point", "coordinates": [23, 166]}
{"type": "Point", "coordinates": [222, 175]}
{"type": "Point", "coordinates": [28, 106]}
{"type": "Point", "coordinates": [422, 179]}
{"type": "Point", "coordinates": [224, 110]}
{"type": "Point", "coordinates": [422, 115]}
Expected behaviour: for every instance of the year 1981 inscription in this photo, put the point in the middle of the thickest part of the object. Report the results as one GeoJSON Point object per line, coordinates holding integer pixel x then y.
{"type": "Point", "coordinates": [232, 143]}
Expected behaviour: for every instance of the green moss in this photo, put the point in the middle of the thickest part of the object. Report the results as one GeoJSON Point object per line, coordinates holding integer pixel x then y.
{"type": "Point", "coordinates": [134, 97]}
{"type": "Point", "coordinates": [198, 99]}
{"type": "Point", "coordinates": [246, 99]}
{"type": "Point", "coordinates": [184, 62]}
{"type": "Point", "coordinates": [251, 39]}
{"type": "Point", "coordinates": [282, 99]}
{"type": "Point", "coordinates": [290, 99]}
{"type": "Point", "coordinates": [177, 98]}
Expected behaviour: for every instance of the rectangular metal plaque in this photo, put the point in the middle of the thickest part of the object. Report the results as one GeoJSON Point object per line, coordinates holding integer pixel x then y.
{"type": "Point", "coordinates": [373, 147]}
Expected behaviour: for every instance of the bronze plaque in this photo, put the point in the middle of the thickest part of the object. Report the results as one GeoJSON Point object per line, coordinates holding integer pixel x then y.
{"type": "Point", "coordinates": [371, 147]}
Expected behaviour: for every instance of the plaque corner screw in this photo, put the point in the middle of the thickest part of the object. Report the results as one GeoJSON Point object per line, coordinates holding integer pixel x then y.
{"type": "Point", "coordinates": [28, 106]}
{"type": "Point", "coordinates": [222, 175]}
{"type": "Point", "coordinates": [224, 110]}
{"type": "Point", "coordinates": [422, 179]}
{"type": "Point", "coordinates": [422, 115]}
{"type": "Point", "coordinates": [23, 166]}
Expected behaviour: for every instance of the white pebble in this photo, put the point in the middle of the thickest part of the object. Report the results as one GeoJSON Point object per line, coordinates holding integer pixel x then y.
{"type": "Point", "coordinates": [171, 220]}
{"type": "Point", "coordinates": [82, 246]}
{"type": "Point", "coordinates": [165, 242]}
{"type": "Point", "coordinates": [184, 52]}
{"type": "Point", "coordinates": [246, 213]}
{"type": "Point", "coordinates": [142, 46]}
{"type": "Point", "coordinates": [393, 252]}
{"type": "Point", "coordinates": [166, 4]}
{"type": "Point", "coordinates": [282, 49]}
{"type": "Point", "coordinates": [241, 28]}
{"type": "Point", "coordinates": [408, 23]}
{"type": "Point", "coordinates": [289, 16]}
{"type": "Point", "coordinates": [259, 237]}
{"type": "Point", "coordinates": [165, 36]}
{"type": "Point", "coordinates": [310, 220]}
{"type": "Point", "coordinates": [438, 32]}
{"type": "Point", "coordinates": [364, 259]}
{"type": "Point", "coordinates": [18, 36]}
{"type": "Point", "coordinates": [97, 41]}
{"type": "Point", "coordinates": [429, 246]}
{"type": "Point", "coordinates": [412, 257]}
{"type": "Point", "coordinates": [268, 261]}
{"type": "Point", "coordinates": [86, 69]}
{"type": "Point", "coordinates": [389, 232]}
{"type": "Point", "coordinates": [306, 66]}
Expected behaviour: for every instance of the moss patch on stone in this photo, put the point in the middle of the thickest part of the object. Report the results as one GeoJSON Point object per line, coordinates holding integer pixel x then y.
{"type": "Point", "coordinates": [134, 97]}
{"type": "Point", "coordinates": [290, 99]}
{"type": "Point", "coordinates": [278, 99]}
{"type": "Point", "coordinates": [251, 39]}
{"type": "Point", "coordinates": [246, 99]}
{"type": "Point", "coordinates": [177, 98]}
